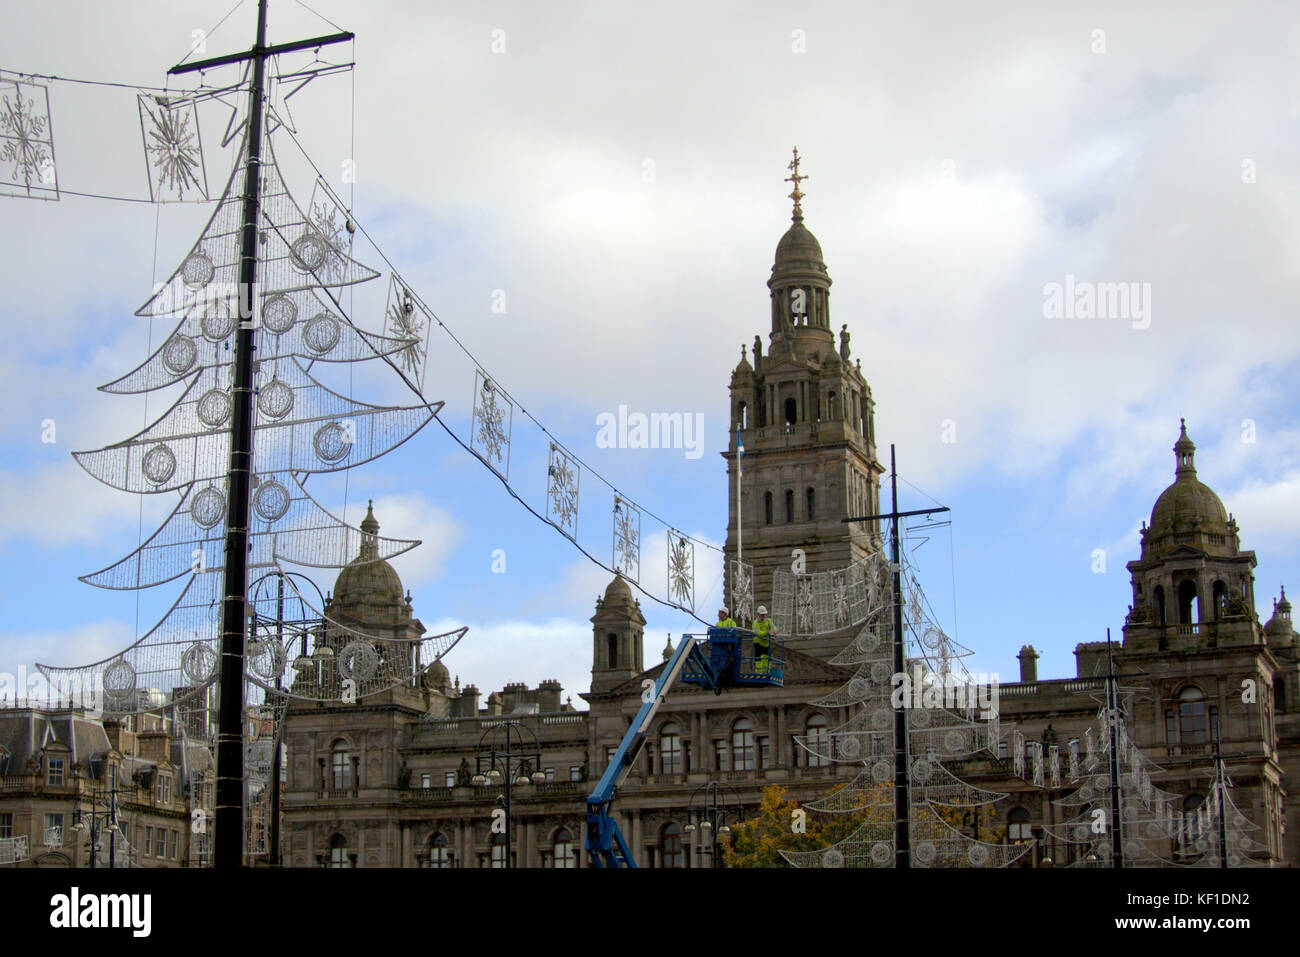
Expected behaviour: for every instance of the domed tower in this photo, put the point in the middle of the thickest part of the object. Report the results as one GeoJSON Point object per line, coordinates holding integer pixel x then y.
{"type": "Point", "coordinates": [1193, 585]}
{"type": "Point", "coordinates": [617, 633]}
{"type": "Point", "coordinates": [806, 419]}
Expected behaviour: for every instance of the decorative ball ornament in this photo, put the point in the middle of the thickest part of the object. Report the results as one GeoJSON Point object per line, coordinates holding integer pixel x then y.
{"type": "Point", "coordinates": [850, 747]}
{"type": "Point", "coordinates": [883, 719]}
{"type": "Point", "coordinates": [858, 688]}
{"type": "Point", "coordinates": [925, 853]}
{"type": "Point", "coordinates": [216, 321]}
{"type": "Point", "coordinates": [275, 399]}
{"type": "Point", "coordinates": [214, 407]}
{"type": "Point", "coordinates": [1085, 793]}
{"type": "Point", "coordinates": [955, 742]}
{"type": "Point", "coordinates": [920, 718]}
{"type": "Point", "coordinates": [269, 661]}
{"type": "Point", "coordinates": [321, 334]}
{"type": "Point", "coordinates": [833, 857]}
{"type": "Point", "coordinates": [933, 638]}
{"type": "Point", "coordinates": [332, 442]}
{"type": "Point", "coordinates": [922, 770]}
{"type": "Point", "coordinates": [881, 853]}
{"type": "Point", "coordinates": [1081, 832]}
{"type": "Point", "coordinates": [1153, 829]}
{"type": "Point", "coordinates": [208, 507]}
{"type": "Point", "coordinates": [881, 772]}
{"type": "Point", "coordinates": [1235, 860]}
{"type": "Point", "coordinates": [197, 269]}
{"type": "Point", "coordinates": [881, 672]}
{"type": "Point", "coordinates": [868, 641]}
{"type": "Point", "coordinates": [159, 464]}
{"type": "Point", "coordinates": [198, 662]}
{"type": "Point", "coordinates": [978, 855]}
{"type": "Point", "coordinates": [119, 679]}
{"type": "Point", "coordinates": [279, 313]}
{"type": "Point", "coordinates": [180, 354]}
{"type": "Point", "coordinates": [308, 252]}
{"type": "Point", "coordinates": [358, 660]}
{"type": "Point", "coordinates": [271, 500]}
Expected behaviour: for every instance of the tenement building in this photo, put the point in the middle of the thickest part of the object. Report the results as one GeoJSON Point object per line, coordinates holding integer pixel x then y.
{"type": "Point", "coordinates": [397, 779]}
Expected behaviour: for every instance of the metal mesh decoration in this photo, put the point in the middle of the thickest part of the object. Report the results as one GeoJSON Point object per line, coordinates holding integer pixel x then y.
{"type": "Point", "coordinates": [491, 424]}
{"type": "Point", "coordinates": [27, 167]}
{"type": "Point", "coordinates": [681, 570]}
{"type": "Point", "coordinates": [327, 237]}
{"type": "Point", "coordinates": [403, 319]}
{"type": "Point", "coordinates": [742, 592]}
{"type": "Point", "coordinates": [562, 477]}
{"type": "Point", "coordinates": [358, 660]}
{"type": "Point", "coordinates": [301, 427]}
{"type": "Point", "coordinates": [821, 603]}
{"type": "Point", "coordinates": [627, 539]}
{"type": "Point", "coordinates": [173, 149]}
{"type": "Point", "coordinates": [14, 850]}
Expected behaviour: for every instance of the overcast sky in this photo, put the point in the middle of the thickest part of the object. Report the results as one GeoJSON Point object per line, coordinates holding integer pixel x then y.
{"type": "Point", "coordinates": [613, 174]}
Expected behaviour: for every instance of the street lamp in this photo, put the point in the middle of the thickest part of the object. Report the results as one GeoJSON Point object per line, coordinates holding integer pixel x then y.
{"type": "Point", "coordinates": [505, 759]}
{"type": "Point", "coordinates": [709, 811]}
{"type": "Point", "coordinates": [87, 822]}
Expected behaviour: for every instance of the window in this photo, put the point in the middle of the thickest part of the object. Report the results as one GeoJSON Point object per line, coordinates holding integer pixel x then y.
{"type": "Point", "coordinates": [565, 856]}
{"type": "Point", "coordinates": [164, 789]}
{"type": "Point", "coordinates": [439, 856]}
{"type": "Point", "coordinates": [790, 412]}
{"type": "Point", "coordinates": [54, 771]}
{"type": "Point", "coordinates": [671, 852]}
{"type": "Point", "coordinates": [611, 642]}
{"type": "Point", "coordinates": [1192, 717]}
{"type": "Point", "coordinates": [499, 850]}
{"type": "Point", "coordinates": [148, 842]}
{"type": "Point", "coordinates": [1002, 750]}
{"type": "Point", "coordinates": [818, 740]}
{"type": "Point", "coordinates": [575, 773]}
{"type": "Point", "coordinates": [764, 752]}
{"type": "Point", "coordinates": [175, 843]}
{"type": "Point", "coordinates": [339, 852]}
{"type": "Point", "coordinates": [1171, 727]}
{"type": "Point", "coordinates": [767, 508]}
{"type": "Point", "coordinates": [426, 780]}
{"type": "Point", "coordinates": [53, 830]}
{"type": "Point", "coordinates": [742, 745]}
{"type": "Point", "coordinates": [789, 506]}
{"type": "Point", "coordinates": [609, 756]}
{"type": "Point", "coordinates": [6, 824]}
{"type": "Point", "coordinates": [812, 505]}
{"type": "Point", "coordinates": [1158, 598]}
{"type": "Point", "coordinates": [670, 749]}
{"type": "Point", "coordinates": [1187, 606]}
{"type": "Point", "coordinates": [342, 766]}
{"type": "Point", "coordinates": [1018, 830]}
{"type": "Point", "coordinates": [720, 754]}
{"type": "Point", "coordinates": [743, 417]}
{"type": "Point", "coordinates": [550, 775]}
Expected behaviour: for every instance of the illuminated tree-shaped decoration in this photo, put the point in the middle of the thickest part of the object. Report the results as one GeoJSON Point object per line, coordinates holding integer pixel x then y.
{"type": "Point", "coordinates": [949, 718]}
{"type": "Point", "coordinates": [489, 434]}
{"type": "Point", "coordinates": [681, 570]}
{"type": "Point", "coordinates": [26, 141]}
{"type": "Point", "coordinates": [627, 539]}
{"type": "Point", "coordinates": [300, 427]}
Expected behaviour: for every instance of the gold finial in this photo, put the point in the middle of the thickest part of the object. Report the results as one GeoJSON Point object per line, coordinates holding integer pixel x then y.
{"type": "Point", "coordinates": [797, 195]}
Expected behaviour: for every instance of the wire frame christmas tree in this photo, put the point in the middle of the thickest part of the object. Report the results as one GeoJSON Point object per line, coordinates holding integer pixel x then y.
{"type": "Point", "coordinates": [300, 427]}
{"type": "Point", "coordinates": [945, 723]}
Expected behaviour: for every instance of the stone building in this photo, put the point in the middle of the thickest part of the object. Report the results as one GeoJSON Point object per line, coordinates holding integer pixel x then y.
{"type": "Point", "coordinates": [390, 781]}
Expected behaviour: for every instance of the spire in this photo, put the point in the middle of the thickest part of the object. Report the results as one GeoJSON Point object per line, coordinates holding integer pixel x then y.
{"type": "Point", "coordinates": [1184, 452]}
{"type": "Point", "coordinates": [370, 532]}
{"type": "Point", "coordinates": [797, 194]}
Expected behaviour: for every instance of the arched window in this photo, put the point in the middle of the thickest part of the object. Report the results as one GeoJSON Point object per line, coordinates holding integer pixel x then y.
{"type": "Point", "coordinates": [1220, 600]}
{"type": "Point", "coordinates": [341, 765]}
{"type": "Point", "coordinates": [339, 852]}
{"type": "Point", "coordinates": [1187, 610]}
{"type": "Point", "coordinates": [767, 508]}
{"type": "Point", "coordinates": [611, 643]}
{"type": "Point", "coordinates": [742, 745]}
{"type": "Point", "coordinates": [1018, 830]}
{"type": "Point", "coordinates": [499, 850]}
{"type": "Point", "coordinates": [4, 762]}
{"type": "Point", "coordinates": [1158, 599]}
{"type": "Point", "coordinates": [818, 738]}
{"type": "Point", "coordinates": [791, 411]}
{"type": "Point", "coordinates": [670, 848]}
{"type": "Point", "coordinates": [743, 416]}
{"type": "Point", "coordinates": [565, 856]}
{"type": "Point", "coordinates": [1197, 723]}
{"type": "Point", "coordinates": [789, 506]}
{"type": "Point", "coordinates": [670, 749]}
{"type": "Point", "coordinates": [812, 505]}
{"type": "Point", "coordinates": [439, 855]}
{"type": "Point", "coordinates": [830, 406]}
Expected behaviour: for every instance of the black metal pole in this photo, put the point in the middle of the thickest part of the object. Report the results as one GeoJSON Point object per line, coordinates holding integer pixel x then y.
{"type": "Point", "coordinates": [274, 838]}
{"type": "Point", "coordinates": [509, 810]}
{"type": "Point", "coordinates": [1112, 708]}
{"type": "Point", "coordinates": [902, 836]}
{"type": "Point", "coordinates": [229, 838]}
{"type": "Point", "coordinates": [1223, 800]}
{"type": "Point", "coordinates": [112, 827]}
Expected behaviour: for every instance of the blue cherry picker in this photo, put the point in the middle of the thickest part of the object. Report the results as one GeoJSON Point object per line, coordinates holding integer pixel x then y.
{"type": "Point", "coordinates": [724, 659]}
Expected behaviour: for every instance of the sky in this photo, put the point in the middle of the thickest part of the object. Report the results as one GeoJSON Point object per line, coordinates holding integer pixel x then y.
{"type": "Point", "coordinates": [589, 196]}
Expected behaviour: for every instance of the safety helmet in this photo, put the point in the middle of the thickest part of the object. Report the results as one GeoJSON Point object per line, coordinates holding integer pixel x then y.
{"type": "Point", "coordinates": [723, 610]}
{"type": "Point", "coordinates": [762, 609]}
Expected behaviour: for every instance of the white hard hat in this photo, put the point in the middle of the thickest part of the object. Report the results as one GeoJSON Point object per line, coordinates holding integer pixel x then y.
{"type": "Point", "coordinates": [723, 609]}
{"type": "Point", "coordinates": [762, 609]}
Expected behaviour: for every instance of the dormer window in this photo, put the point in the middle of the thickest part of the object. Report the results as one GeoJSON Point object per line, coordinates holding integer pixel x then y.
{"type": "Point", "coordinates": [54, 772]}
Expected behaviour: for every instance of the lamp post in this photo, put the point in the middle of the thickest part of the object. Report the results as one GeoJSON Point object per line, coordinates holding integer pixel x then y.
{"type": "Point", "coordinates": [92, 826]}
{"type": "Point", "coordinates": [505, 757]}
{"type": "Point", "coordinates": [712, 813]}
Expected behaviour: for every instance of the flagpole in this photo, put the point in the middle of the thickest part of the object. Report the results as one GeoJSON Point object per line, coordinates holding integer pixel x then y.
{"type": "Point", "coordinates": [740, 523]}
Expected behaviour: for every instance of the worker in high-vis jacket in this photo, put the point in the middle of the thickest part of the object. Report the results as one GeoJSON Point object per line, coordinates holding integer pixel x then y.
{"type": "Point", "coordinates": [762, 640]}
{"type": "Point", "coordinates": [724, 619]}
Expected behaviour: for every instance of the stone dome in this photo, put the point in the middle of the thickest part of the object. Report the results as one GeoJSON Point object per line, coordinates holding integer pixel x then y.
{"type": "Point", "coordinates": [618, 589]}
{"type": "Point", "coordinates": [437, 676]}
{"type": "Point", "coordinates": [1189, 503]}
{"type": "Point", "coordinates": [798, 247]}
{"type": "Point", "coordinates": [368, 580]}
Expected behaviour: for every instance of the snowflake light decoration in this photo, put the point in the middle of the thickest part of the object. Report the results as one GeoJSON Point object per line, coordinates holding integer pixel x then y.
{"type": "Point", "coordinates": [27, 142]}
{"type": "Point", "coordinates": [742, 592]}
{"type": "Point", "coordinates": [562, 476]}
{"type": "Point", "coordinates": [173, 149]}
{"type": "Point", "coordinates": [489, 431]}
{"type": "Point", "coordinates": [333, 230]}
{"type": "Point", "coordinates": [404, 320]}
{"type": "Point", "coordinates": [681, 570]}
{"type": "Point", "coordinates": [627, 539]}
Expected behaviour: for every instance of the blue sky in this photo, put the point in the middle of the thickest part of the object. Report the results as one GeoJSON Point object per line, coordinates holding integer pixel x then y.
{"type": "Point", "coordinates": [618, 177]}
